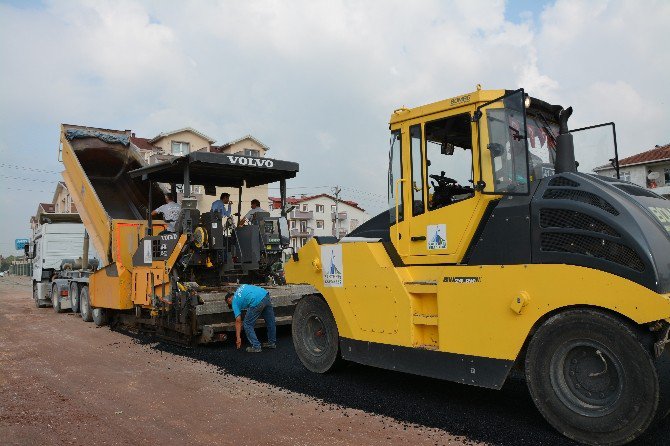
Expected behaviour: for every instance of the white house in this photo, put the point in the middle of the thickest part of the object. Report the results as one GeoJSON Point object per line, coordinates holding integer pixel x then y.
{"type": "Point", "coordinates": [315, 216]}
{"type": "Point", "coordinates": [650, 169]}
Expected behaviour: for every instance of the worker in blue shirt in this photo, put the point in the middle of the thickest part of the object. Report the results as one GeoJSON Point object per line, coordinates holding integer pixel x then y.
{"type": "Point", "coordinates": [256, 301]}
{"type": "Point", "coordinates": [223, 205]}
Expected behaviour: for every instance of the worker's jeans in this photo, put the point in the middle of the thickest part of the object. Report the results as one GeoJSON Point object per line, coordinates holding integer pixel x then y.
{"type": "Point", "coordinates": [264, 308]}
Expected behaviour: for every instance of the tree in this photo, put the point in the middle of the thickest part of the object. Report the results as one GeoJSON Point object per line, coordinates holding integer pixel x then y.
{"type": "Point", "coordinates": [5, 262]}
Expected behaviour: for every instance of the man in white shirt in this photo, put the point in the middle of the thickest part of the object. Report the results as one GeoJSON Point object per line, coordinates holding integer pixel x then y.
{"type": "Point", "coordinates": [251, 215]}
{"type": "Point", "coordinates": [170, 211]}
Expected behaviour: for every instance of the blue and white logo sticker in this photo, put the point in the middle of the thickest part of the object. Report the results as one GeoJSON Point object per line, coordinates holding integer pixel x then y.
{"type": "Point", "coordinates": [331, 265]}
{"type": "Point", "coordinates": [436, 236]}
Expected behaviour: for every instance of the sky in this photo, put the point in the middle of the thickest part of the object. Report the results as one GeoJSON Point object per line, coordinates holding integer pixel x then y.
{"type": "Point", "coordinates": [316, 81]}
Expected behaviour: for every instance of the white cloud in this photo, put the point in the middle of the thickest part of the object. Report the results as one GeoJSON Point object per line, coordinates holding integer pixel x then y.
{"type": "Point", "coordinates": [307, 75]}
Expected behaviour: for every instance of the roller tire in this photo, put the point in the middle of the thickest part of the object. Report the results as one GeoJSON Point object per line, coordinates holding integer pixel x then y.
{"type": "Point", "coordinates": [74, 297]}
{"type": "Point", "coordinates": [315, 335]}
{"type": "Point", "coordinates": [593, 378]}
{"type": "Point", "coordinates": [85, 305]}
{"type": "Point", "coordinates": [55, 299]}
{"type": "Point", "coordinates": [99, 316]}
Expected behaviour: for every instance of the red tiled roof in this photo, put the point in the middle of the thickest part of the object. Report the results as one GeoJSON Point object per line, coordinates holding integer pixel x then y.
{"type": "Point", "coordinates": [658, 153]}
{"type": "Point", "coordinates": [296, 200]}
{"type": "Point", "coordinates": [48, 207]}
{"type": "Point", "coordinates": [142, 143]}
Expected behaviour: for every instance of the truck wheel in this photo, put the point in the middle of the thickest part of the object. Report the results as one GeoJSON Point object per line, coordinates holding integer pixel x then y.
{"type": "Point", "coordinates": [592, 378]}
{"type": "Point", "coordinates": [74, 297]}
{"type": "Point", "coordinates": [55, 298]}
{"type": "Point", "coordinates": [99, 316]}
{"type": "Point", "coordinates": [315, 335]}
{"type": "Point", "coordinates": [85, 305]}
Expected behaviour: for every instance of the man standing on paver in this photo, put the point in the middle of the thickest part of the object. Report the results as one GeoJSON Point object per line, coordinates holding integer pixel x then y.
{"type": "Point", "coordinates": [170, 211]}
{"type": "Point", "coordinates": [256, 301]}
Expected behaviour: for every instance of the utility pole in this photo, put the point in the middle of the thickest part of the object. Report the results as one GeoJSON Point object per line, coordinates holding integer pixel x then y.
{"type": "Point", "coordinates": [336, 192]}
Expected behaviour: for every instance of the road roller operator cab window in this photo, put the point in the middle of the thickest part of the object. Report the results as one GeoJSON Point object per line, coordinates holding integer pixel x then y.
{"type": "Point", "coordinates": [449, 160]}
{"type": "Point", "coordinates": [395, 188]}
{"type": "Point", "coordinates": [504, 159]}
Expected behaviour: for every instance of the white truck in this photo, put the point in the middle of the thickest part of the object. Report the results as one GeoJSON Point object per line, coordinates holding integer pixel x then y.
{"type": "Point", "coordinates": [56, 249]}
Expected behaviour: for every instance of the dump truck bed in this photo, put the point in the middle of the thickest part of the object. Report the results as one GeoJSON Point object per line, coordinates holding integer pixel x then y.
{"type": "Point", "coordinates": [96, 164]}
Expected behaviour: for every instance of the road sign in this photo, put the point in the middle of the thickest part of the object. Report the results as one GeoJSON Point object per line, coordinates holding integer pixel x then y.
{"type": "Point", "coordinates": [20, 243]}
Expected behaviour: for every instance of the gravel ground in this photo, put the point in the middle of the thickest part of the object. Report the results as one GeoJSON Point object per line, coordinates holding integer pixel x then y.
{"type": "Point", "coordinates": [357, 405]}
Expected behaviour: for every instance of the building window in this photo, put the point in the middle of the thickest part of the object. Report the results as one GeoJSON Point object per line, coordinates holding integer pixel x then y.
{"type": "Point", "coordinates": [319, 207]}
{"type": "Point", "coordinates": [333, 208]}
{"type": "Point", "coordinates": [303, 241]}
{"type": "Point", "coordinates": [625, 176]}
{"type": "Point", "coordinates": [293, 224]}
{"type": "Point", "coordinates": [666, 173]}
{"type": "Point", "coordinates": [319, 223]}
{"type": "Point", "coordinates": [304, 208]}
{"type": "Point", "coordinates": [252, 152]}
{"type": "Point", "coordinates": [180, 148]}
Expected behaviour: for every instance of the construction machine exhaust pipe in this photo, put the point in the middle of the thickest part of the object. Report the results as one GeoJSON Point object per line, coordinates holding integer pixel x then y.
{"type": "Point", "coordinates": [565, 148]}
{"type": "Point", "coordinates": [84, 259]}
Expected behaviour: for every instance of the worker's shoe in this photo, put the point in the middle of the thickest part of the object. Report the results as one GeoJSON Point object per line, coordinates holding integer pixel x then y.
{"type": "Point", "coordinates": [269, 345]}
{"type": "Point", "coordinates": [253, 349]}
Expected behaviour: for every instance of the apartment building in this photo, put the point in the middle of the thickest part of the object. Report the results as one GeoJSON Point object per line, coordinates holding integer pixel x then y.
{"type": "Point", "coordinates": [179, 142]}
{"type": "Point", "coordinates": [61, 203]}
{"type": "Point", "coordinates": [649, 169]}
{"type": "Point", "coordinates": [315, 216]}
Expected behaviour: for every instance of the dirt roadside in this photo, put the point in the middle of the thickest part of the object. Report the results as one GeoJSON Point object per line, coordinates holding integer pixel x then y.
{"type": "Point", "coordinates": [66, 382]}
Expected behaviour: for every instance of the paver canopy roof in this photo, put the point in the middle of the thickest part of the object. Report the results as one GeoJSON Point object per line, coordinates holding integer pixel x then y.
{"type": "Point", "coordinates": [217, 169]}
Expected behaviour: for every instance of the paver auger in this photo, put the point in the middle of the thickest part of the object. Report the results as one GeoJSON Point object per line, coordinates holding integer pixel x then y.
{"type": "Point", "coordinates": [495, 255]}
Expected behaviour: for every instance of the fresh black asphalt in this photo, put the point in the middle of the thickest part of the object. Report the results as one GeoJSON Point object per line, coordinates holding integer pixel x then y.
{"type": "Point", "coordinates": [505, 417]}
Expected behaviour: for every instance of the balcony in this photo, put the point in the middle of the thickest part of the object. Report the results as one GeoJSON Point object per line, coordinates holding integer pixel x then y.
{"type": "Point", "coordinates": [302, 232]}
{"type": "Point", "coordinates": [339, 234]}
{"type": "Point", "coordinates": [341, 216]}
{"type": "Point", "coordinates": [301, 215]}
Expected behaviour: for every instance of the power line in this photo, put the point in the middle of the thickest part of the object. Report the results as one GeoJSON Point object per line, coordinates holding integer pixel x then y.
{"type": "Point", "coordinates": [301, 187]}
{"type": "Point", "coordinates": [26, 190]}
{"type": "Point", "coordinates": [16, 166]}
{"type": "Point", "coordinates": [29, 179]}
{"type": "Point", "coordinates": [364, 192]}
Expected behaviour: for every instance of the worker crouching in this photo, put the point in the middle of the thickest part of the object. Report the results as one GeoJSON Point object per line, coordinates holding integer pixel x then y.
{"type": "Point", "coordinates": [256, 301]}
